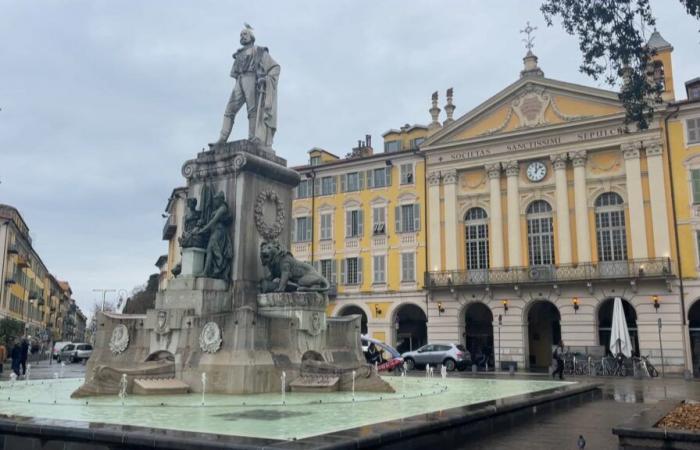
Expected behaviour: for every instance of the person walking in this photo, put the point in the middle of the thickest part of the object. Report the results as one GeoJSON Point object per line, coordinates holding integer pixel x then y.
{"type": "Point", "coordinates": [3, 356]}
{"type": "Point", "coordinates": [16, 355]}
{"type": "Point", "coordinates": [558, 356]}
{"type": "Point", "coordinates": [24, 355]}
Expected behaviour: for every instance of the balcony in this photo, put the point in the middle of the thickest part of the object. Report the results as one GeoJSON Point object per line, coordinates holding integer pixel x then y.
{"type": "Point", "coordinates": [22, 261]}
{"type": "Point", "coordinates": [12, 249]}
{"type": "Point", "coordinates": [10, 280]}
{"type": "Point", "coordinates": [301, 248]}
{"type": "Point", "coordinates": [169, 228]}
{"type": "Point", "coordinates": [638, 269]}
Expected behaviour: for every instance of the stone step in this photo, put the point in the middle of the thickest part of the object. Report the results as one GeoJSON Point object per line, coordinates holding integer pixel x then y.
{"type": "Point", "coordinates": [160, 386]}
{"type": "Point", "coordinates": [315, 383]}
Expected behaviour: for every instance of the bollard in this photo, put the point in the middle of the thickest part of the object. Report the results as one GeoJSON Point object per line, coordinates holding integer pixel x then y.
{"type": "Point", "coordinates": [474, 368]}
{"type": "Point", "coordinates": [511, 369]}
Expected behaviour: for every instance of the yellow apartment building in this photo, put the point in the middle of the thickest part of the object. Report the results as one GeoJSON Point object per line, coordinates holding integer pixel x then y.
{"type": "Point", "coordinates": [682, 136]}
{"type": "Point", "coordinates": [360, 220]}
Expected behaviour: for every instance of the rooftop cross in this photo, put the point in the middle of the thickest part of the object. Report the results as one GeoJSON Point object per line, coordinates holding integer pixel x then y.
{"type": "Point", "coordinates": [528, 31]}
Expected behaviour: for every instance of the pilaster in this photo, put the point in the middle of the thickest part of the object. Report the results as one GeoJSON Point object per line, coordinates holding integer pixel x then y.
{"type": "Point", "coordinates": [631, 152]}
{"type": "Point", "coordinates": [657, 194]}
{"type": "Point", "coordinates": [583, 242]}
{"type": "Point", "coordinates": [514, 254]}
{"type": "Point", "coordinates": [449, 182]}
{"type": "Point", "coordinates": [562, 198]}
{"type": "Point", "coordinates": [433, 225]}
{"type": "Point", "coordinates": [495, 216]}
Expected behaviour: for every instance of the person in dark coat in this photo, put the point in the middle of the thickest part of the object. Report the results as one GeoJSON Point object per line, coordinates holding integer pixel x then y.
{"type": "Point", "coordinates": [16, 357]}
{"type": "Point", "coordinates": [559, 358]}
{"type": "Point", "coordinates": [25, 353]}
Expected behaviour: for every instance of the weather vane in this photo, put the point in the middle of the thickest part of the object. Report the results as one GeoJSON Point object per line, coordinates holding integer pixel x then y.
{"type": "Point", "coordinates": [528, 30]}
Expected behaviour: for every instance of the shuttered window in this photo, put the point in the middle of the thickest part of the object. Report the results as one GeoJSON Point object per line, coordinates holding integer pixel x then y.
{"type": "Point", "coordinates": [407, 218]}
{"type": "Point", "coordinates": [693, 128]}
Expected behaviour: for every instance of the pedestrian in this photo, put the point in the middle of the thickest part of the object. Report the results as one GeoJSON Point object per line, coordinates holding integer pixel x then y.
{"type": "Point", "coordinates": [3, 356]}
{"type": "Point", "coordinates": [558, 356]}
{"type": "Point", "coordinates": [23, 357]}
{"type": "Point", "coordinates": [16, 355]}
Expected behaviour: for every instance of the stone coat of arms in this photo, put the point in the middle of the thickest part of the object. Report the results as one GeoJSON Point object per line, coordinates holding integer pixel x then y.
{"type": "Point", "coordinates": [210, 338]}
{"type": "Point", "coordinates": [120, 339]}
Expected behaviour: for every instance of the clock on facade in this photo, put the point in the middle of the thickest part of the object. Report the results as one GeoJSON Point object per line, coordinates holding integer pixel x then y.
{"type": "Point", "coordinates": [536, 171]}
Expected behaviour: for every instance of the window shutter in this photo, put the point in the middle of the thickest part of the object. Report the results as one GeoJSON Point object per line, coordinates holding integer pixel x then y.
{"type": "Point", "coordinates": [348, 223]}
{"type": "Point", "coordinates": [294, 230]}
{"type": "Point", "coordinates": [360, 180]}
{"type": "Point", "coordinates": [343, 182]}
{"type": "Point", "coordinates": [370, 179]}
{"type": "Point", "coordinates": [359, 270]}
{"type": "Point", "coordinates": [309, 224]}
{"type": "Point", "coordinates": [343, 270]}
{"type": "Point", "coordinates": [388, 175]}
{"type": "Point", "coordinates": [317, 186]}
{"type": "Point", "coordinates": [334, 278]}
{"type": "Point", "coordinates": [334, 182]}
{"type": "Point", "coordinates": [397, 217]}
{"type": "Point", "coordinates": [416, 217]}
{"type": "Point", "coordinates": [360, 222]}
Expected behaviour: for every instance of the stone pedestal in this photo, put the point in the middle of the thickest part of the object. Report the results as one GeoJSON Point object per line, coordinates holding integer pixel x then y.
{"type": "Point", "coordinates": [192, 261]}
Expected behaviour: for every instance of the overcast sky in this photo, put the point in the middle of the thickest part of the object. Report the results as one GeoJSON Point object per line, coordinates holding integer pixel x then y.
{"type": "Point", "coordinates": [102, 101]}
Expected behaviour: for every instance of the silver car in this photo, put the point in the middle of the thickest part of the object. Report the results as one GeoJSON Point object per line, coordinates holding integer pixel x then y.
{"type": "Point", "coordinates": [452, 356]}
{"type": "Point", "coordinates": [75, 352]}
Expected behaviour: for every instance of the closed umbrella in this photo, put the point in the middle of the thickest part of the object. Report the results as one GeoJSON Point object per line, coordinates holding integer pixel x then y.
{"type": "Point", "coordinates": [620, 341]}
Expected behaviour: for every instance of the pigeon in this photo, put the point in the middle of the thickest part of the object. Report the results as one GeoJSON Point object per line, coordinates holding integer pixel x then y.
{"type": "Point", "coordinates": [581, 443]}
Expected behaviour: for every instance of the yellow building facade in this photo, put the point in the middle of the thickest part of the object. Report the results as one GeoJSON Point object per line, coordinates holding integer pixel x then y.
{"type": "Point", "coordinates": [360, 220]}
{"type": "Point", "coordinates": [28, 292]}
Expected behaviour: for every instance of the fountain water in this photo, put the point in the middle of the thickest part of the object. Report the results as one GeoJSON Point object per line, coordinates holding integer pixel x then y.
{"type": "Point", "coordinates": [63, 367]}
{"type": "Point", "coordinates": [284, 386]}
{"type": "Point", "coordinates": [427, 371]}
{"type": "Point", "coordinates": [204, 385]}
{"type": "Point", "coordinates": [443, 371]}
{"type": "Point", "coordinates": [122, 388]}
{"type": "Point", "coordinates": [13, 378]}
{"type": "Point", "coordinates": [26, 374]}
{"type": "Point", "coordinates": [353, 385]}
{"type": "Point", "coordinates": [54, 391]}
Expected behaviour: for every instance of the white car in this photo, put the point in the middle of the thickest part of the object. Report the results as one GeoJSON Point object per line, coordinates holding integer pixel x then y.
{"type": "Point", "coordinates": [57, 347]}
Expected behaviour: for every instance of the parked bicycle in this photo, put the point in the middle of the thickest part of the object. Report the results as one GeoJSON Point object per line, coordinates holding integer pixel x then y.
{"type": "Point", "coordinates": [642, 365]}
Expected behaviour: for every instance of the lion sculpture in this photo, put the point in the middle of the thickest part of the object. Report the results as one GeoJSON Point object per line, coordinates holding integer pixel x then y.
{"type": "Point", "coordinates": [287, 274]}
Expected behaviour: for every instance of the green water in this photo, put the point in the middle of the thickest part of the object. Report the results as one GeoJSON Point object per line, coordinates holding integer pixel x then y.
{"type": "Point", "coordinates": [261, 415]}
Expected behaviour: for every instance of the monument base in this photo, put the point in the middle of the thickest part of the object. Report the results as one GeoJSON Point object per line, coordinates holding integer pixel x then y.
{"type": "Point", "coordinates": [193, 261]}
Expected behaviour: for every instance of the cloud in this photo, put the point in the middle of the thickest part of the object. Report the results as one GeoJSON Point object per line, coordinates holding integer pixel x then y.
{"type": "Point", "coordinates": [102, 101]}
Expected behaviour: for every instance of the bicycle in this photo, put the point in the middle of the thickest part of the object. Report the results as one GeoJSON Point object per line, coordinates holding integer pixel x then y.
{"type": "Point", "coordinates": [642, 363]}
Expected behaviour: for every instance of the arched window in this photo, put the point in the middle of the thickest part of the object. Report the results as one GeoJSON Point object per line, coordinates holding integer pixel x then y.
{"type": "Point", "coordinates": [477, 239]}
{"type": "Point", "coordinates": [540, 233]}
{"type": "Point", "coordinates": [610, 227]}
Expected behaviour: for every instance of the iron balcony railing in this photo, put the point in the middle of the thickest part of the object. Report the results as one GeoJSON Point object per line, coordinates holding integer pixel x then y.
{"type": "Point", "coordinates": [654, 268]}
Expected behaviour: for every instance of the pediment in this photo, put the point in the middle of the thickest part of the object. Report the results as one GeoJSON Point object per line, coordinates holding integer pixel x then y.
{"type": "Point", "coordinates": [527, 104]}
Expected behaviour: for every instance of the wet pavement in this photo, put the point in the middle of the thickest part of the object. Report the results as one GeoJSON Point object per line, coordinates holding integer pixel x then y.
{"type": "Point", "coordinates": [45, 369]}
{"type": "Point", "coordinates": [622, 398]}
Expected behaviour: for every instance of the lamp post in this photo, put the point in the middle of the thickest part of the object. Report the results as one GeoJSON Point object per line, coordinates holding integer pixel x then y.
{"type": "Point", "coordinates": [500, 322]}
{"type": "Point", "coordinates": [661, 347]}
{"type": "Point", "coordinates": [104, 295]}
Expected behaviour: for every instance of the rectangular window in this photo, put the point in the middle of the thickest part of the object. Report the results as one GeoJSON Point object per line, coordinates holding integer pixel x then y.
{"type": "Point", "coordinates": [354, 181]}
{"type": "Point", "coordinates": [379, 220]}
{"type": "Point", "coordinates": [326, 226]}
{"type": "Point", "coordinates": [407, 218]}
{"type": "Point", "coordinates": [302, 229]}
{"type": "Point", "coordinates": [407, 173]}
{"type": "Point", "coordinates": [354, 223]}
{"type": "Point", "coordinates": [695, 181]}
{"type": "Point", "coordinates": [379, 268]}
{"type": "Point", "coordinates": [315, 160]}
{"type": "Point", "coordinates": [352, 271]}
{"type": "Point", "coordinates": [378, 178]}
{"type": "Point", "coordinates": [327, 185]}
{"type": "Point", "coordinates": [408, 267]}
{"type": "Point", "coordinates": [415, 143]}
{"type": "Point", "coordinates": [304, 189]}
{"type": "Point", "coordinates": [327, 269]}
{"type": "Point", "coordinates": [392, 146]}
{"type": "Point", "coordinates": [693, 127]}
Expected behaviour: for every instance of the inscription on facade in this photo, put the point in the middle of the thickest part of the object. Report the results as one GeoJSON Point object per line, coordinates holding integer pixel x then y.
{"type": "Point", "coordinates": [534, 144]}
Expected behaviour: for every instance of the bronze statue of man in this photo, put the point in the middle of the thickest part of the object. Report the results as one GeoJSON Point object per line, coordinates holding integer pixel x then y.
{"type": "Point", "coordinates": [256, 75]}
{"type": "Point", "coordinates": [219, 251]}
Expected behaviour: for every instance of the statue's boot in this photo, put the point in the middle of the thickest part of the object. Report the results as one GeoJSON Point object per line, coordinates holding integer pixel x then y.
{"type": "Point", "coordinates": [225, 130]}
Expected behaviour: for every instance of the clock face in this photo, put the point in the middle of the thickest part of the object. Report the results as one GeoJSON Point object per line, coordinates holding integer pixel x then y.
{"type": "Point", "coordinates": [536, 171]}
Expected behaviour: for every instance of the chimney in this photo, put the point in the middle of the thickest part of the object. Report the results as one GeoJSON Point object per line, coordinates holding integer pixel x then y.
{"type": "Point", "coordinates": [368, 140]}
{"type": "Point", "coordinates": [434, 114]}
{"type": "Point", "coordinates": [449, 108]}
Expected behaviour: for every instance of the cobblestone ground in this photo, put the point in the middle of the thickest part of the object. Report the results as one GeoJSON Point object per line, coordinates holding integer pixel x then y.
{"type": "Point", "coordinates": [622, 398]}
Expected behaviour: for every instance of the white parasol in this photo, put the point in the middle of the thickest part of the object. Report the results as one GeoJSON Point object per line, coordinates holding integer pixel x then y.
{"type": "Point", "coordinates": [620, 341]}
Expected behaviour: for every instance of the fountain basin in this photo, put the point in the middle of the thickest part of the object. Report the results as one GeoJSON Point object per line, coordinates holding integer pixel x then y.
{"type": "Point", "coordinates": [264, 416]}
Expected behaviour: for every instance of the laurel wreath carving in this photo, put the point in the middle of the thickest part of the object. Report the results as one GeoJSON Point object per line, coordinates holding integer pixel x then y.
{"type": "Point", "coordinates": [120, 339]}
{"type": "Point", "coordinates": [269, 232]}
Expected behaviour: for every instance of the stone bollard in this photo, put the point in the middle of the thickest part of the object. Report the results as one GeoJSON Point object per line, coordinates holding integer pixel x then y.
{"type": "Point", "coordinates": [474, 369]}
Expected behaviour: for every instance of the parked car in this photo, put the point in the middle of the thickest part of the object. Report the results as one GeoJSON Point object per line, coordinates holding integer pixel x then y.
{"type": "Point", "coordinates": [390, 357]}
{"type": "Point", "coordinates": [452, 356]}
{"type": "Point", "coordinates": [75, 352]}
{"type": "Point", "coordinates": [57, 347]}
